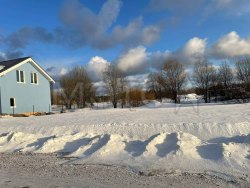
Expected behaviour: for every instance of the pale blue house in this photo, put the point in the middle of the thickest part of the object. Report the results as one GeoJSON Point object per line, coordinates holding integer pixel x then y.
{"type": "Point", "coordinates": [24, 87]}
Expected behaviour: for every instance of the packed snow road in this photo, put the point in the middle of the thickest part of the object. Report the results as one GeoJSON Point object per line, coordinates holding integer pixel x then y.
{"type": "Point", "coordinates": [43, 170]}
{"type": "Point", "coordinates": [159, 136]}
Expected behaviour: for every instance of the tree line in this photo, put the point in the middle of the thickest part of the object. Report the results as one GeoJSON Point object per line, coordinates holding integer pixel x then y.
{"type": "Point", "coordinates": [171, 81]}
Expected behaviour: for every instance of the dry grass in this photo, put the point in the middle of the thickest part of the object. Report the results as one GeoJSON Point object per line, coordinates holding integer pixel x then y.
{"type": "Point", "coordinates": [26, 114]}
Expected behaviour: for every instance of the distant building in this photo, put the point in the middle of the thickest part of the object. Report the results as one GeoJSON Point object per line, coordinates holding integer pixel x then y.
{"type": "Point", "coordinates": [24, 87]}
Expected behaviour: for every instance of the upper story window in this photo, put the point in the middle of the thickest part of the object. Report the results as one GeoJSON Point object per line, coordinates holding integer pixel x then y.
{"type": "Point", "coordinates": [34, 78]}
{"type": "Point", "coordinates": [20, 77]}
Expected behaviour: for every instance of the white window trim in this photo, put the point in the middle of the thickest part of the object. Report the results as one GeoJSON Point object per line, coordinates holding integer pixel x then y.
{"type": "Point", "coordinates": [33, 78]}
{"type": "Point", "coordinates": [14, 102]}
{"type": "Point", "coordinates": [19, 74]}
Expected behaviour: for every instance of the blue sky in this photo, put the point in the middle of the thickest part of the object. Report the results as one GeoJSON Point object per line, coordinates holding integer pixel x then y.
{"type": "Point", "coordinates": [137, 35]}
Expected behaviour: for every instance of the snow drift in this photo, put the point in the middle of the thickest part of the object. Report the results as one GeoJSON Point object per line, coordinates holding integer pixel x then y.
{"type": "Point", "coordinates": [214, 138]}
{"type": "Point", "coordinates": [163, 150]}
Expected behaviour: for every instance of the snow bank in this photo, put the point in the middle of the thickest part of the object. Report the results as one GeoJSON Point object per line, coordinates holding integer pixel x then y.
{"type": "Point", "coordinates": [211, 137]}
{"type": "Point", "coordinates": [163, 150]}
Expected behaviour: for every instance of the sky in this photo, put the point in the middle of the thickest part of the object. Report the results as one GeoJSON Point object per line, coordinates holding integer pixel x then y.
{"type": "Point", "coordinates": [137, 35]}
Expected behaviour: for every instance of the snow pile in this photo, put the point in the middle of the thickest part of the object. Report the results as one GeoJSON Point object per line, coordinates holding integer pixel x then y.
{"type": "Point", "coordinates": [214, 138]}
{"type": "Point", "coordinates": [192, 97]}
{"type": "Point", "coordinates": [153, 104]}
{"type": "Point", "coordinates": [163, 150]}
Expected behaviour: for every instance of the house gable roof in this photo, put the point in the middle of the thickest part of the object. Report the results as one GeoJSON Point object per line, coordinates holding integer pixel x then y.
{"type": "Point", "coordinates": [7, 66]}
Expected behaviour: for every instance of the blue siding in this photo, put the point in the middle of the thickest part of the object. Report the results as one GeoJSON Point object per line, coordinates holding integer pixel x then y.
{"type": "Point", "coordinates": [26, 94]}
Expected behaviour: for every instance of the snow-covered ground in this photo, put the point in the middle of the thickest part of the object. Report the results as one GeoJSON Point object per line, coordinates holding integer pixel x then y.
{"type": "Point", "coordinates": [190, 137]}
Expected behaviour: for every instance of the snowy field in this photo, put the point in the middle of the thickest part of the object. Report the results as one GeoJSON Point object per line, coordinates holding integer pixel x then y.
{"type": "Point", "coordinates": [159, 136]}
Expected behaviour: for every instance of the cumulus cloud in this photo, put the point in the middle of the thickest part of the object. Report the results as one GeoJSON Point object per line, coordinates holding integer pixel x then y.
{"type": "Point", "coordinates": [133, 61]}
{"type": "Point", "coordinates": [95, 67]}
{"type": "Point", "coordinates": [158, 58]}
{"type": "Point", "coordinates": [192, 51]}
{"type": "Point", "coordinates": [63, 71]}
{"type": "Point", "coordinates": [231, 45]}
{"type": "Point", "coordinates": [138, 80]}
{"type": "Point", "coordinates": [56, 67]}
{"type": "Point", "coordinates": [80, 26]}
{"type": "Point", "coordinates": [101, 88]}
{"type": "Point", "coordinates": [136, 33]}
{"type": "Point", "coordinates": [57, 71]}
{"type": "Point", "coordinates": [51, 69]}
{"type": "Point", "coordinates": [139, 61]}
{"type": "Point", "coordinates": [2, 56]}
{"type": "Point", "coordinates": [25, 35]}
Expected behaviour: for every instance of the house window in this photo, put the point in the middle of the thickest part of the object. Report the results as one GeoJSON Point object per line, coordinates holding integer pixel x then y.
{"type": "Point", "coordinates": [20, 76]}
{"type": "Point", "coordinates": [12, 102]}
{"type": "Point", "coordinates": [34, 78]}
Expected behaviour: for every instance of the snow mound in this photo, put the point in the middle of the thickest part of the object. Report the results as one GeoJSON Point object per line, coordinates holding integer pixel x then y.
{"type": "Point", "coordinates": [186, 136]}
{"type": "Point", "coordinates": [153, 104]}
{"type": "Point", "coordinates": [160, 150]}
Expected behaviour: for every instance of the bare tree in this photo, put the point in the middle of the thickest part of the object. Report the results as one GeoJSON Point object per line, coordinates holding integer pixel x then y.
{"type": "Point", "coordinates": [225, 75]}
{"type": "Point", "coordinates": [173, 77]}
{"type": "Point", "coordinates": [115, 83]}
{"type": "Point", "coordinates": [154, 86]}
{"type": "Point", "coordinates": [86, 90]}
{"type": "Point", "coordinates": [77, 87]}
{"type": "Point", "coordinates": [243, 71]}
{"type": "Point", "coordinates": [204, 77]}
{"type": "Point", "coordinates": [67, 90]}
{"type": "Point", "coordinates": [136, 96]}
{"type": "Point", "coordinates": [123, 84]}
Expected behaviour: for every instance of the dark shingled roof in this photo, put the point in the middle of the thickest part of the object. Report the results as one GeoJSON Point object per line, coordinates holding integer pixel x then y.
{"type": "Point", "coordinates": [10, 63]}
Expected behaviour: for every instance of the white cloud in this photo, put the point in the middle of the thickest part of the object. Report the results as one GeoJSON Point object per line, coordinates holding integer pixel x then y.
{"type": "Point", "coordinates": [231, 45]}
{"type": "Point", "coordinates": [134, 60]}
{"type": "Point", "coordinates": [2, 56]}
{"type": "Point", "coordinates": [95, 67]}
{"type": "Point", "coordinates": [158, 58]}
{"type": "Point", "coordinates": [57, 67]}
{"type": "Point", "coordinates": [151, 34]}
{"type": "Point", "coordinates": [138, 80]}
{"type": "Point", "coordinates": [63, 71]}
{"type": "Point", "coordinates": [79, 17]}
{"type": "Point", "coordinates": [82, 27]}
{"type": "Point", "coordinates": [101, 88]}
{"type": "Point", "coordinates": [192, 51]}
{"type": "Point", "coordinates": [136, 32]}
{"type": "Point", "coordinates": [138, 60]}
{"type": "Point", "coordinates": [108, 14]}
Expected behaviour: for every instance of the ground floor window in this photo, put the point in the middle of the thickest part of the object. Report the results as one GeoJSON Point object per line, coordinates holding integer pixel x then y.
{"type": "Point", "coordinates": [12, 102]}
